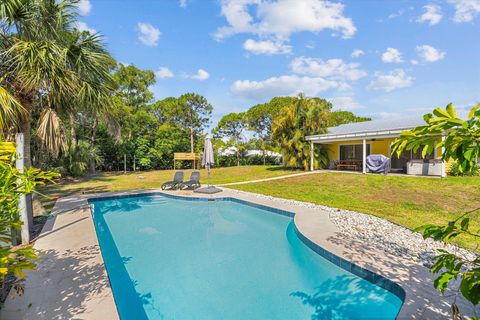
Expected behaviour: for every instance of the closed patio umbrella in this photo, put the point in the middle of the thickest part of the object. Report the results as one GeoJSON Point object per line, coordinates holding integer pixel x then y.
{"type": "Point", "coordinates": [207, 161]}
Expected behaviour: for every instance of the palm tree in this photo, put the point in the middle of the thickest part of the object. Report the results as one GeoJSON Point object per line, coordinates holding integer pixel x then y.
{"type": "Point", "coordinates": [303, 117]}
{"type": "Point", "coordinates": [49, 68]}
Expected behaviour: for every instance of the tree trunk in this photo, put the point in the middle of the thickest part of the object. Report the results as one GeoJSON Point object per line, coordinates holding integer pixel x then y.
{"type": "Point", "coordinates": [238, 157]}
{"type": "Point", "coordinates": [191, 139]}
{"type": "Point", "coordinates": [264, 153]}
{"type": "Point", "coordinates": [25, 128]}
{"type": "Point", "coordinates": [94, 136]}
{"type": "Point", "coordinates": [73, 133]}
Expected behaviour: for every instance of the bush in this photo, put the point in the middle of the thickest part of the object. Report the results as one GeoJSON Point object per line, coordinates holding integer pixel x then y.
{"type": "Point", "coordinates": [15, 260]}
{"type": "Point", "coordinates": [231, 160]}
{"type": "Point", "coordinates": [455, 170]}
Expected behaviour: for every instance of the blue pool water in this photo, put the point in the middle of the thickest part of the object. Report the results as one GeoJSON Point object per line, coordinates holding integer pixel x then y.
{"type": "Point", "coordinates": [178, 259]}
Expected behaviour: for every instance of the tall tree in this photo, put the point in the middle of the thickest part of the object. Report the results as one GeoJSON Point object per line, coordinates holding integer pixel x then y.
{"type": "Point", "coordinates": [303, 117]}
{"type": "Point", "coordinates": [133, 85]}
{"type": "Point", "coordinates": [198, 112]}
{"type": "Point", "coordinates": [49, 67]}
{"type": "Point", "coordinates": [259, 119]}
{"type": "Point", "coordinates": [231, 127]}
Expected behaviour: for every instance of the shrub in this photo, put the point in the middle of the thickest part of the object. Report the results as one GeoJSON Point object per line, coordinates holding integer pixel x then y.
{"type": "Point", "coordinates": [455, 170]}
{"type": "Point", "coordinates": [13, 183]}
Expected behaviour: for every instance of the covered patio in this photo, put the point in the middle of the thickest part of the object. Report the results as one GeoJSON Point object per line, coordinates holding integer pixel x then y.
{"type": "Point", "coordinates": [348, 146]}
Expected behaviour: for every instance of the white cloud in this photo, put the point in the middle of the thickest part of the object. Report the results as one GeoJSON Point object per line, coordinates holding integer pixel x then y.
{"type": "Point", "coordinates": [414, 62]}
{"type": "Point", "coordinates": [392, 55]}
{"type": "Point", "coordinates": [163, 72]}
{"type": "Point", "coordinates": [345, 103]}
{"type": "Point", "coordinates": [281, 86]}
{"type": "Point", "coordinates": [465, 10]}
{"type": "Point", "coordinates": [182, 3]}
{"type": "Point", "coordinates": [266, 47]}
{"type": "Point", "coordinates": [429, 53]}
{"type": "Point", "coordinates": [82, 26]}
{"type": "Point", "coordinates": [281, 18]}
{"type": "Point", "coordinates": [149, 35]}
{"type": "Point", "coordinates": [357, 53]}
{"type": "Point", "coordinates": [334, 69]}
{"type": "Point", "coordinates": [395, 15]}
{"type": "Point", "coordinates": [309, 75]}
{"type": "Point", "coordinates": [84, 7]}
{"type": "Point", "coordinates": [432, 15]}
{"type": "Point", "coordinates": [201, 75]}
{"type": "Point", "coordinates": [393, 80]}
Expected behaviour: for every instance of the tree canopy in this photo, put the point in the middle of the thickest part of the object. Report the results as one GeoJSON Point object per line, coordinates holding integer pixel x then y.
{"type": "Point", "coordinates": [298, 119]}
{"type": "Point", "coordinates": [231, 127]}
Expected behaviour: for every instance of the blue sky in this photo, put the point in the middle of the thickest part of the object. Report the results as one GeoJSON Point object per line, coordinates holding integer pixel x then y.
{"type": "Point", "coordinates": [375, 58]}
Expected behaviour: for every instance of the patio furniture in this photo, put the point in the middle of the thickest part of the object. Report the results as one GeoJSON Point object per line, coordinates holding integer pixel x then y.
{"type": "Point", "coordinates": [193, 183]}
{"type": "Point", "coordinates": [347, 166]}
{"type": "Point", "coordinates": [378, 163]}
{"type": "Point", "coordinates": [174, 184]}
{"type": "Point", "coordinates": [353, 165]}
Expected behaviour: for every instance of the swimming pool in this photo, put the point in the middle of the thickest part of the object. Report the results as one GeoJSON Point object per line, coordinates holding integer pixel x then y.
{"type": "Point", "coordinates": [180, 259]}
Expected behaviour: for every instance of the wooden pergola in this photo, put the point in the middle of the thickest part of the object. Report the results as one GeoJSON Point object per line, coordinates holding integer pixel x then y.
{"type": "Point", "coordinates": [195, 157]}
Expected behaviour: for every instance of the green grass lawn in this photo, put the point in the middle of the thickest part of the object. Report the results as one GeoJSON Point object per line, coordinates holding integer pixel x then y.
{"type": "Point", "coordinates": [116, 181]}
{"type": "Point", "coordinates": [408, 201]}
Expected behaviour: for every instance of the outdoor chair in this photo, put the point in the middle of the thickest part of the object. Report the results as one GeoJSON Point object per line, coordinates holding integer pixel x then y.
{"type": "Point", "coordinates": [177, 180]}
{"type": "Point", "coordinates": [193, 182]}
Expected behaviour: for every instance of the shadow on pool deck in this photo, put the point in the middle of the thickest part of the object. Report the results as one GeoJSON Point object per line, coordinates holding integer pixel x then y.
{"type": "Point", "coordinates": [70, 279]}
{"type": "Point", "coordinates": [86, 279]}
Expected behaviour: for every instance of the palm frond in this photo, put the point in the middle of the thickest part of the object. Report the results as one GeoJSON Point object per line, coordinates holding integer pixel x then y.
{"type": "Point", "coordinates": [11, 111]}
{"type": "Point", "coordinates": [51, 132]}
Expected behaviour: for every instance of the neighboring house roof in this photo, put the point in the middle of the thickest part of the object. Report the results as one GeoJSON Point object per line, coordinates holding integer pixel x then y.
{"type": "Point", "coordinates": [369, 129]}
{"type": "Point", "coordinates": [251, 153]}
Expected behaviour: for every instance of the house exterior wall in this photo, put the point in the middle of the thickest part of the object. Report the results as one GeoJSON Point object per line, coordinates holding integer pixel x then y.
{"type": "Point", "coordinates": [378, 146]}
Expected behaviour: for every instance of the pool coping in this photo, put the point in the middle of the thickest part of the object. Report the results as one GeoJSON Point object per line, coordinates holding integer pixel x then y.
{"type": "Point", "coordinates": [413, 282]}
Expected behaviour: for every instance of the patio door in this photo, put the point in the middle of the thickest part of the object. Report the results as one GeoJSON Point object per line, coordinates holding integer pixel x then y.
{"type": "Point", "coordinates": [353, 151]}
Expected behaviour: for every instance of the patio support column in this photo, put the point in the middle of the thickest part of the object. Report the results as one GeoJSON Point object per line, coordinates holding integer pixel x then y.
{"type": "Point", "coordinates": [364, 156]}
{"type": "Point", "coordinates": [311, 155]}
{"type": "Point", "coordinates": [444, 173]}
{"type": "Point", "coordinates": [23, 202]}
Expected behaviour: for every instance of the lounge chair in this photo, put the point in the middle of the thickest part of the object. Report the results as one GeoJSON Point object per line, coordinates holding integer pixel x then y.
{"type": "Point", "coordinates": [193, 183]}
{"type": "Point", "coordinates": [177, 180]}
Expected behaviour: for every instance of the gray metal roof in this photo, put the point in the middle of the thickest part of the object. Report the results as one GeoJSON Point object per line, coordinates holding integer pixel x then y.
{"type": "Point", "coordinates": [383, 125]}
{"type": "Point", "coordinates": [378, 125]}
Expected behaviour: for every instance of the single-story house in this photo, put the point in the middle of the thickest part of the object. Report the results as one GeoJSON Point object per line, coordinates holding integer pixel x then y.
{"type": "Point", "coordinates": [348, 145]}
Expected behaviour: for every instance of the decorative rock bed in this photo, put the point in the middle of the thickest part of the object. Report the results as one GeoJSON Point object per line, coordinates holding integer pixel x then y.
{"type": "Point", "coordinates": [383, 234]}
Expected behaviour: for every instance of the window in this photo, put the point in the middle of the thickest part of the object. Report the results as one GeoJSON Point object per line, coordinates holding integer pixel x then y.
{"type": "Point", "coordinates": [353, 152]}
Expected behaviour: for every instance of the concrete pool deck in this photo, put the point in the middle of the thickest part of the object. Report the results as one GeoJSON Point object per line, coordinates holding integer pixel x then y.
{"type": "Point", "coordinates": [72, 283]}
